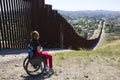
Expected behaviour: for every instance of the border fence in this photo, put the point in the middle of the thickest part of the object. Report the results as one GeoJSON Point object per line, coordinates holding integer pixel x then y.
{"type": "Point", "coordinates": [19, 17]}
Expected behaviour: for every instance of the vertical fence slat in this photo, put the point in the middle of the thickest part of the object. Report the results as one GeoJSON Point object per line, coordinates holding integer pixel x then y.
{"type": "Point", "coordinates": [20, 13]}
{"type": "Point", "coordinates": [17, 22]}
{"type": "Point", "coordinates": [0, 28]}
{"type": "Point", "coordinates": [0, 33]}
{"type": "Point", "coordinates": [22, 20]}
{"type": "Point", "coordinates": [25, 22]}
{"type": "Point", "coordinates": [3, 22]}
{"type": "Point", "coordinates": [8, 24]}
{"type": "Point", "coordinates": [28, 21]}
{"type": "Point", "coordinates": [12, 23]}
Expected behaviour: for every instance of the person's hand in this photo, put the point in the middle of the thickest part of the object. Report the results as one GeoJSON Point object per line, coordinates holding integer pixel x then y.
{"type": "Point", "coordinates": [39, 49]}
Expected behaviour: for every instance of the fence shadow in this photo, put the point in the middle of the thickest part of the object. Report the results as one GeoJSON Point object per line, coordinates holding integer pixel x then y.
{"type": "Point", "coordinates": [12, 51]}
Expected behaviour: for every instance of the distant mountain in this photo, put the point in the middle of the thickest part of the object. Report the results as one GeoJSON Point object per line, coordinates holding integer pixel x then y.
{"type": "Point", "coordinates": [91, 13]}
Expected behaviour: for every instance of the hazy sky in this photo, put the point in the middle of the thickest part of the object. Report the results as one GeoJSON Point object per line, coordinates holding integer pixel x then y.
{"type": "Point", "coordinates": [73, 5]}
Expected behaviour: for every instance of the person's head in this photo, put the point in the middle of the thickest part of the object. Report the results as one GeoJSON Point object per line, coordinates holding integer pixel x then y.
{"type": "Point", "coordinates": [34, 35]}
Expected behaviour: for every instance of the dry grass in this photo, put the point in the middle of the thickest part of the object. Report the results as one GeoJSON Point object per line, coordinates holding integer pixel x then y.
{"type": "Point", "coordinates": [100, 64]}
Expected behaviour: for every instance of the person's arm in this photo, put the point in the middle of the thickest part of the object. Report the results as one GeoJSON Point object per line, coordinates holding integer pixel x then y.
{"type": "Point", "coordinates": [29, 42]}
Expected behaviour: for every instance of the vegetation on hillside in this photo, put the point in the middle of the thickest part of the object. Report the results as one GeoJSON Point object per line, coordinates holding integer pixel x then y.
{"type": "Point", "coordinates": [86, 22]}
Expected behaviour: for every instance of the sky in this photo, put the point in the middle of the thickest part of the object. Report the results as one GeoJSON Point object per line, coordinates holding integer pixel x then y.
{"type": "Point", "coordinates": [75, 5]}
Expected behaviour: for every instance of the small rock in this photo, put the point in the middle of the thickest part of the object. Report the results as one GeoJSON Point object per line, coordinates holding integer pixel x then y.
{"type": "Point", "coordinates": [2, 78]}
{"type": "Point", "coordinates": [67, 78]}
{"type": "Point", "coordinates": [16, 65]}
{"type": "Point", "coordinates": [60, 71]}
{"type": "Point", "coordinates": [3, 55]}
{"type": "Point", "coordinates": [86, 76]}
{"type": "Point", "coordinates": [3, 70]}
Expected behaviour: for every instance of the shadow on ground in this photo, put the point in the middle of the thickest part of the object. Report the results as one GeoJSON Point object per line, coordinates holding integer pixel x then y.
{"type": "Point", "coordinates": [21, 51]}
{"type": "Point", "coordinates": [12, 51]}
{"type": "Point", "coordinates": [39, 77]}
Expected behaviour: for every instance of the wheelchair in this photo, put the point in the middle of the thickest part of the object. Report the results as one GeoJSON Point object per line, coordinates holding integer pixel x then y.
{"type": "Point", "coordinates": [34, 65]}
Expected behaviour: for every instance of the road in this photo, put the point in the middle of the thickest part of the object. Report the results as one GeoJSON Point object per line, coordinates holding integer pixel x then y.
{"type": "Point", "coordinates": [101, 37]}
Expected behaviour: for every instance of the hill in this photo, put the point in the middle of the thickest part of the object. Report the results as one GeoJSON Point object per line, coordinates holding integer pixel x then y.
{"type": "Point", "coordinates": [91, 13]}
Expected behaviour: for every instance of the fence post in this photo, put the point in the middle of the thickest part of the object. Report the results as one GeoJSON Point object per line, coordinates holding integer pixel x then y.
{"type": "Point", "coordinates": [0, 31]}
{"type": "Point", "coordinates": [0, 27]}
{"type": "Point", "coordinates": [61, 36]}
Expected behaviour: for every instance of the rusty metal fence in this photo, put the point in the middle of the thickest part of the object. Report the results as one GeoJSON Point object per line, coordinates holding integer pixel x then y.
{"type": "Point", "coordinates": [14, 19]}
{"type": "Point", "coordinates": [19, 17]}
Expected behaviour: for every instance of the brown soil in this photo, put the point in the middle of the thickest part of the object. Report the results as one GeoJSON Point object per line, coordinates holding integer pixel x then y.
{"type": "Point", "coordinates": [98, 68]}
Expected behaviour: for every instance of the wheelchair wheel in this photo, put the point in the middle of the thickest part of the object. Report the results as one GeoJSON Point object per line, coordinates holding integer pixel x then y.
{"type": "Point", "coordinates": [25, 62]}
{"type": "Point", "coordinates": [35, 66]}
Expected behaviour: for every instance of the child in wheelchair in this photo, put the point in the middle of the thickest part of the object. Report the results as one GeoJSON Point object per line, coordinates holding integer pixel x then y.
{"type": "Point", "coordinates": [37, 51]}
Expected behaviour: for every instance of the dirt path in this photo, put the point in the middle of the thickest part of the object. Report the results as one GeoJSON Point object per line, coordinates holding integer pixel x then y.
{"type": "Point", "coordinates": [94, 68]}
{"type": "Point", "coordinates": [11, 64]}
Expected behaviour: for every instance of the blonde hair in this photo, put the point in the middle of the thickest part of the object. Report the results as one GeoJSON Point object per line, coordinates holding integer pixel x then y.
{"type": "Point", "coordinates": [35, 35]}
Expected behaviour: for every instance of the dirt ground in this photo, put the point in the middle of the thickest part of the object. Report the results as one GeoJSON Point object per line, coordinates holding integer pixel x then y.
{"type": "Point", "coordinates": [98, 68]}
